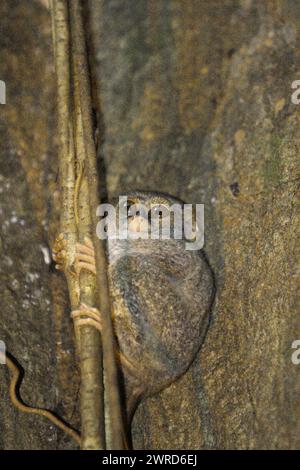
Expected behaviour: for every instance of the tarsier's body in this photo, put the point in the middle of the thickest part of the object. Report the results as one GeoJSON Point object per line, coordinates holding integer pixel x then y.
{"type": "Point", "coordinates": [161, 295]}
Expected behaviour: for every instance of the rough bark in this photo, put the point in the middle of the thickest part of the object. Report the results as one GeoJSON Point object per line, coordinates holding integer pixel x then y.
{"type": "Point", "coordinates": [196, 101]}
{"type": "Point", "coordinates": [35, 322]}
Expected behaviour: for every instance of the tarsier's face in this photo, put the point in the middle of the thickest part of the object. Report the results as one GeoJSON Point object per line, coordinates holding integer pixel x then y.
{"type": "Point", "coordinates": [146, 211]}
{"type": "Point", "coordinates": [146, 222]}
{"type": "Point", "coordinates": [150, 216]}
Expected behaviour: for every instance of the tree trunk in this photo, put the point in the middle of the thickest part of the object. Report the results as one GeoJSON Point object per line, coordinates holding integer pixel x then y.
{"type": "Point", "coordinates": [195, 101]}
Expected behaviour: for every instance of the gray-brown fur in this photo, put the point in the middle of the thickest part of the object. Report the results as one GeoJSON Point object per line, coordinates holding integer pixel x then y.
{"type": "Point", "coordinates": [162, 294]}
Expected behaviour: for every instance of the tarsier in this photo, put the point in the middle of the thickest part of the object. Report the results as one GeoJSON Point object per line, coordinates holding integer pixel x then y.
{"type": "Point", "coordinates": [161, 297]}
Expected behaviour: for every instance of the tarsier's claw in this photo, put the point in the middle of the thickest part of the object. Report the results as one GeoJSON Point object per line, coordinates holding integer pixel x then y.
{"type": "Point", "coordinates": [85, 256]}
{"type": "Point", "coordinates": [86, 315]}
{"type": "Point", "coordinates": [58, 252]}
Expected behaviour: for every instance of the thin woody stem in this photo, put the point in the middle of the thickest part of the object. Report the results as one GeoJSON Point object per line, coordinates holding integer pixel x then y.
{"type": "Point", "coordinates": [88, 335]}
{"type": "Point", "coordinates": [89, 345]}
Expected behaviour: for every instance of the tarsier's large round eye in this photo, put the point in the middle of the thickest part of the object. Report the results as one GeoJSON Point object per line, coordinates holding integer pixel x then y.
{"type": "Point", "coordinates": [126, 206]}
{"type": "Point", "coordinates": [137, 210]}
{"type": "Point", "coordinates": [133, 208]}
{"type": "Point", "coordinates": [159, 211]}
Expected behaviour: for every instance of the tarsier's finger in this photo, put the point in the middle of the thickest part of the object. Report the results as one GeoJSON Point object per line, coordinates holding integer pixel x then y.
{"type": "Point", "coordinates": [89, 242]}
{"type": "Point", "coordinates": [89, 309]}
{"type": "Point", "coordinates": [83, 265]}
{"type": "Point", "coordinates": [80, 248]}
{"type": "Point", "coordinates": [87, 258]}
{"type": "Point", "coordinates": [59, 253]}
{"type": "Point", "coordinates": [60, 241]}
{"type": "Point", "coordinates": [92, 313]}
{"type": "Point", "coordinates": [90, 322]}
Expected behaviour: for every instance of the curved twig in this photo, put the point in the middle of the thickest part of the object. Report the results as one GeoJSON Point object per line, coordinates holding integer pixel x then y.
{"type": "Point", "coordinates": [18, 403]}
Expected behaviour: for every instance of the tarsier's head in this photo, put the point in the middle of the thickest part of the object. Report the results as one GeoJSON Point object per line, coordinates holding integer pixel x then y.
{"type": "Point", "coordinates": [143, 218]}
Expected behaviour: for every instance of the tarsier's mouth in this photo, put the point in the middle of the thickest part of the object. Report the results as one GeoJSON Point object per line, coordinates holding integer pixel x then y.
{"type": "Point", "coordinates": [138, 224]}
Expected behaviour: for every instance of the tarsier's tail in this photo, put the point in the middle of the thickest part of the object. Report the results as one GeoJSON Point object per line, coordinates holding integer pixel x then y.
{"type": "Point", "coordinates": [18, 403]}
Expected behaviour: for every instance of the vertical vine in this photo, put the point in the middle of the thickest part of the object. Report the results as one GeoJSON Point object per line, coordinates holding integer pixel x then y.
{"type": "Point", "coordinates": [79, 195]}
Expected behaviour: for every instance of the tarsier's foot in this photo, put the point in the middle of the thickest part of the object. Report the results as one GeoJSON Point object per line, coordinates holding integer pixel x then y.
{"type": "Point", "coordinates": [85, 256]}
{"type": "Point", "coordinates": [86, 315]}
{"type": "Point", "coordinates": [58, 252]}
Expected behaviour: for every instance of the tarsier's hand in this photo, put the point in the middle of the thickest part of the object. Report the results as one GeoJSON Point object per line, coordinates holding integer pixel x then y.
{"type": "Point", "coordinates": [85, 257]}
{"type": "Point", "coordinates": [85, 315]}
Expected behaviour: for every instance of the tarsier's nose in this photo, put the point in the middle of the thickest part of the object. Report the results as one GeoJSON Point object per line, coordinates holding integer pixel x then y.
{"type": "Point", "coordinates": [137, 224]}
